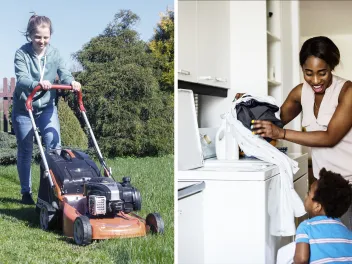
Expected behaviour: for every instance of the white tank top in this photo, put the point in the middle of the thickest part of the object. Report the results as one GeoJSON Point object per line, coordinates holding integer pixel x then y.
{"type": "Point", "coordinates": [338, 158]}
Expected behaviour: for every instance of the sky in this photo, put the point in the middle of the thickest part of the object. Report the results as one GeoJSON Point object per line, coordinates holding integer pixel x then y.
{"type": "Point", "coordinates": [74, 22]}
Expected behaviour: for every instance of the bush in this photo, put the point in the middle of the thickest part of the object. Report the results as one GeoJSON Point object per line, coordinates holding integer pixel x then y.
{"type": "Point", "coordinates": [72, 134]}
{"type": "Point", "coordinates": [7, 140]}
{"type": "Point", "coordinates": [8, 156]}
{"type": "Point", "coordinates": [128, 112]}
{"type": "Point", "coordinates": [8, 149]}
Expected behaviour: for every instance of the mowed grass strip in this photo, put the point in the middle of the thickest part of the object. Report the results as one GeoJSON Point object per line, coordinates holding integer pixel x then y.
{"type": "Point", "coordinates": [22, 240]}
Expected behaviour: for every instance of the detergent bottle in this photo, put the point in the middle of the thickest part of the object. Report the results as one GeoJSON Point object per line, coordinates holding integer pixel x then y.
{"type": "Point", "coordinates": [226, 146]}
{"type": "Point", "coordinates": [220, 140]}
{"type": "Point", "coordinates": [232, 150]}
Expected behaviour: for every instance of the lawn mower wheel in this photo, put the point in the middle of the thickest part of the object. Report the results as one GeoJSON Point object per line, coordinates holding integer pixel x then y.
{"type": "Point", "coordinates": [47, 220]}
{"type": "Point", "coordinates": [155, 222]}
{"type": "Point", "coordinates": [82, 230]}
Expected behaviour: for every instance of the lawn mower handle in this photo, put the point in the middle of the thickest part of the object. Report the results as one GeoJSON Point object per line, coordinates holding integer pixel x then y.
{"type": "Point", "coordinates": [57, 87]}
{"type": "Point", "coordinates": [29, 107]}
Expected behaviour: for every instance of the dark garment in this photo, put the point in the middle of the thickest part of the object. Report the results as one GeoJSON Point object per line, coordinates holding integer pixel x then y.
{"type": "Point", "coordinates": [255, 110]}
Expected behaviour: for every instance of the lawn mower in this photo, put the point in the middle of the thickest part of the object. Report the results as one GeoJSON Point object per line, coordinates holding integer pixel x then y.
{"type": "Point", "coordinates": [76, 197]}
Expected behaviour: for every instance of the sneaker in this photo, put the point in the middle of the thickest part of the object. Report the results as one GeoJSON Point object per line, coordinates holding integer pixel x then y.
{"type": "Point", "coordinates": [27, 199]}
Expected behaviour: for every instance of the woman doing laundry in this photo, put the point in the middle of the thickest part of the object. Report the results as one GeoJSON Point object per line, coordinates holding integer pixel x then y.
{"type": "Point", "coordinates": [325, 101]}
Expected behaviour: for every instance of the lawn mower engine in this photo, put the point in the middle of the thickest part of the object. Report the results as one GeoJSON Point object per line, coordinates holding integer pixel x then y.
{"type": "Point", "coordinates": [107, 197]}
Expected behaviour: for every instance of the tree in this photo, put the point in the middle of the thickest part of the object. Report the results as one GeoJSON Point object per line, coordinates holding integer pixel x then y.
{"type": "Point", "coordinates": [162, 48]}
{"type": "Point", "coordinates": [121, 94]}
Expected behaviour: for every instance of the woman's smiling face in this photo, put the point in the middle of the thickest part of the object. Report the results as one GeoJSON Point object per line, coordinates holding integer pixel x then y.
{"type": "Point", "coordinates": [41, 38]}
{"type": "Point", "coordinates": [317, 74]}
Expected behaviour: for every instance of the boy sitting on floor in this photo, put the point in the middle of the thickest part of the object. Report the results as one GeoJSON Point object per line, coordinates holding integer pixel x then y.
{"type": "Point", "coordinates": [323, 238]}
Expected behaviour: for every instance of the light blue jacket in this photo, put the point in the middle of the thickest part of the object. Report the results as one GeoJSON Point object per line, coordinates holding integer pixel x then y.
{"type": "Point", "coordinates": [27, 72]}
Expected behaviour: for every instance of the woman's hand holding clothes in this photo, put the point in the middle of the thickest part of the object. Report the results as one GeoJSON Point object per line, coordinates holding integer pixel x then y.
{"type": "Point", "coordinates": [46, 85]}
{"type": "Point", "coordinates": [267, 129]}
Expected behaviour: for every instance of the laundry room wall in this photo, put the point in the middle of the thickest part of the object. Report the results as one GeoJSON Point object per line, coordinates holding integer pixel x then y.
{"type": "Point", "coordinates": [332, 19]}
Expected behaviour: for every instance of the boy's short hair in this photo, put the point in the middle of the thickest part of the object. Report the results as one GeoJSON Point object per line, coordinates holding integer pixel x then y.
{"type": "Point", "coordinates": [334, 193]}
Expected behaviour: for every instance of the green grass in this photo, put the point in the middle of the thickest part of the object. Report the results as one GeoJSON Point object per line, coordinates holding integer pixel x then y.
{"type": "Point", "coordinates": [22, 240]}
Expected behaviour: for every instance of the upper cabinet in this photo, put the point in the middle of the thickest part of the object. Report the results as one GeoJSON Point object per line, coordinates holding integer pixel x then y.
{"type": "Point", "coordinates": [213, 38]}
{"type": "Point", "coordinates": [240, 46]}
{"type": "Point", "coordinates": [204, 42]}
{"type": "Point", "coordinates": [187, 40]}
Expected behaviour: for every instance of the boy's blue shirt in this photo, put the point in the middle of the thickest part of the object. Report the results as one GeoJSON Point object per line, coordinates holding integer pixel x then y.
{"type": "Point", "coordinates": [27, 73]}
{"type": "Point", "coordinates": [328, 238]}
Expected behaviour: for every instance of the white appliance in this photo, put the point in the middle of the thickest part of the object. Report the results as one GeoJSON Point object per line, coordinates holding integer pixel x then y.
{"type": "Point", "coordinates": [233, 212]}
{"type": "Point", "coordinates": [190, 213]}
{"type": "Point", "coordinates": [190, 154]}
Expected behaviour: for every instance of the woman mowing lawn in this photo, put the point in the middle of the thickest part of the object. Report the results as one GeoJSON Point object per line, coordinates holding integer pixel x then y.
{"type": "Point", "coordinates": [37, 63]}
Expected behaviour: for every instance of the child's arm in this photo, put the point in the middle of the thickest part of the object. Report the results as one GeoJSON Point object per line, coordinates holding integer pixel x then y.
{"type": "Point", "coordinates": [302, 253]}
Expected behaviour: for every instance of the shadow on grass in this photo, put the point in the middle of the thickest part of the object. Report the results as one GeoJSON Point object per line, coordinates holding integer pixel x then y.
{"type": "Point", "coordinates": [70, 240]}
{"type": "Point", "coordinates": [26, 214]}
{"type": "Point", "coordinates": [9, 200]}
{"type": "Point", "coordinates": [67, 239]}
{"type": "Point", "coordinates": [120, 256]}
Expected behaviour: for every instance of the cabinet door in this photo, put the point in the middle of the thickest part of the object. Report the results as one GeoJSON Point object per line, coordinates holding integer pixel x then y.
{"type": "Point", "coordinates": [213, 48]}
{"type": "Point", "coordinates": [187, 28]}
{"type": "Point", "coordinates": [190, 227]}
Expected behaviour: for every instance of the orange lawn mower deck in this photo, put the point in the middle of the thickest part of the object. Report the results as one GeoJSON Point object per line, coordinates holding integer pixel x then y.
{"type": "Point", "coordinates": [74, 196]}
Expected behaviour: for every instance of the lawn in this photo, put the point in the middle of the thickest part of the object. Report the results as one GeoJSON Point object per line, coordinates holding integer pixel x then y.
{"type": "Point", "coordinates": [22, 240]}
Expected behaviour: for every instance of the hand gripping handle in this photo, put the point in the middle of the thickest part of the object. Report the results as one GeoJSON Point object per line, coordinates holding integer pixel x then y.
{"type": "Point", "coordinates": [58, 87]}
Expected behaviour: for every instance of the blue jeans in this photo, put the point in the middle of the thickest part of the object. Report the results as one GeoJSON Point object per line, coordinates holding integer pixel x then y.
{"type": "Point", "coordinates": [49, 127]}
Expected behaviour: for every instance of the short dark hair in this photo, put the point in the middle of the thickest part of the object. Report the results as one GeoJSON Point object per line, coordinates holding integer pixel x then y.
{"type": "Point", "coordinates": [334, 193]}
{"type": "Point", "coordinates": [322, 48]}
